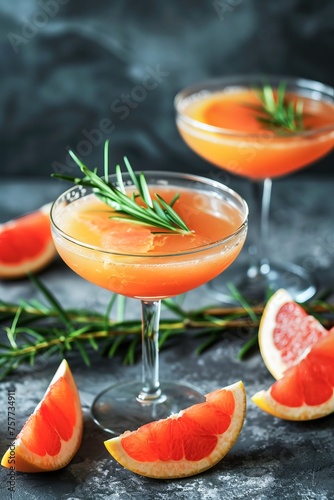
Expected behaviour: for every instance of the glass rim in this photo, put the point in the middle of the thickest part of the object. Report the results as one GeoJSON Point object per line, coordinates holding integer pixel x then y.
{"type": "Point", "coordinates": [178, 175]}
{"type": "Point", "coordinates": [244, 81]}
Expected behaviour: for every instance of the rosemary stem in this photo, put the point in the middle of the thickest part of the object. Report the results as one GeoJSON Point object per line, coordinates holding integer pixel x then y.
{"type": "Point", "coordinates": [212, 311]}
{"type": "Point", "coordinates": [258, 309]}
{"type": "Point", "coordinates": [91, 319]}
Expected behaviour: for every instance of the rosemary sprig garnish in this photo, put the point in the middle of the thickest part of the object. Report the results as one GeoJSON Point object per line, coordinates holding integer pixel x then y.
{"type": "Point", "coordinates": [154, 212]}
{"type": "Point", "coordinates": [276, 112]}
{"type": "Point", "coordinates": [39, 330]}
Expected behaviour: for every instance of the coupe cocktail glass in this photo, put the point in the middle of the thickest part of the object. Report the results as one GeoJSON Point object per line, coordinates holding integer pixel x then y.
{"type": "Point", "coordinates": [163, 266]}
{"type": "Point", "coordinates": [216, 119]}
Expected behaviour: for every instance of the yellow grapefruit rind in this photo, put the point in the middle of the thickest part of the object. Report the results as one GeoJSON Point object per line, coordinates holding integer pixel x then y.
{"type": "Point", "coordinates": [270, 355]}
{"type": "Point", "coordinates": [31, 266]}
{"type": "Point", "coordinates": [27, 461]}
{"type": "Point", "coordinates": [185, 468]}
{"type": "Point", "coordinates": [264, 400]}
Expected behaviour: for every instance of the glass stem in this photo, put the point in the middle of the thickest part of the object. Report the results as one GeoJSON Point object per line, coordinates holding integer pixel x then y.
{"type": "Point", "coordinates": [150, 352]}
{"type": "Point", "coordinates": [261, 199]}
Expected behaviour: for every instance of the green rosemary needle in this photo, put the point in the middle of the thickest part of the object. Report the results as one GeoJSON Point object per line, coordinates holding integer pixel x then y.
{"type": "Point", "coordinates": [154, 212]}
{"type": "Point", "coordinates": [278, 113]}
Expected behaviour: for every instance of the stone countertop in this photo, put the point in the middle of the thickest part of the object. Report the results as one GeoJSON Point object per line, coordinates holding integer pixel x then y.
{"type": "Point", "coordinates": [272, 459]}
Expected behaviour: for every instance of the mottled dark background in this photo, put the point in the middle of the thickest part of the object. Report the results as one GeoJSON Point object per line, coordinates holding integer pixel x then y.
{"type": "Point", "coordinates": [76, 72]}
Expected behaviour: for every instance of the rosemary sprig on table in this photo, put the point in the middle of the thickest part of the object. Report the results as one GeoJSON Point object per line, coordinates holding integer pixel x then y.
{"type": "Point", "coordinates": [276, 112]}
{"type": "Point", "coordinates": [154, 212]}
{"type": "Point", "coordinates": [41, 329]}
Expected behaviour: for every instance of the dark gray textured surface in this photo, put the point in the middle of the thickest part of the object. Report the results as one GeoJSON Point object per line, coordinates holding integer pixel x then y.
{"type": "Point", "coordinates": [63, 75]}
{"type": "Point", "coordinates": [272, 459]}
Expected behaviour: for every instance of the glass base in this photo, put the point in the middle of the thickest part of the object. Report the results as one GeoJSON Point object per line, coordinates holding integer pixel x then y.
{"type": "Point", "coordinates": [254, 283]}
{"type": "Point", "coordinates": [118, 409]}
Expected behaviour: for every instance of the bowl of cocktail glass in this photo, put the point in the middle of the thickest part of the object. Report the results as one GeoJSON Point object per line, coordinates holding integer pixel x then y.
{"type": "Point", "coordinates": [149, 265]}
{"type": "Point", "coordinates": [221, 120]}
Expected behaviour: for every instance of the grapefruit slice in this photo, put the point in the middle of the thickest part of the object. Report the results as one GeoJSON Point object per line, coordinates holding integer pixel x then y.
{"type": "Point", "coordinates": [114, 234]}
{"type": "Point", "coordinates": [52, 434]}
{"type": "Point", "coordinates": [124, 235]}
{"type": "Point", "coordinates": [285, 332]}
{"type": "Point", "coordinates": [26, 244]}
{"type": "Point", "coordinates": [306, 391]}
{"type": "Point", "coordinates": [186, 443]}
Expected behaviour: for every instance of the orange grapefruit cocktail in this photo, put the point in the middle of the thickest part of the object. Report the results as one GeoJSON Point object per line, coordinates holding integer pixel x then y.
{"type": "Point", "coordinates": [220, 120]}
{"type": "Point", "coordinates": [139, 262]}
{"type": "Point", "coordinates": [247, 148]}
{"type": "Point", "coordinates": [149, 263]}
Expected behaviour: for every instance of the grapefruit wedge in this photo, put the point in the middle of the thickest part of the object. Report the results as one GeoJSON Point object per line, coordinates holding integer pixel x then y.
{"type": "Point", "coordinates": [26, 244]}
{"type": "Point", "coordinates": [52, 434]}
{"type": "Point", "coordinates": [306, 391]}
{"type": "Point", "coordinates": [186, 443]}
{"type": "Point", "coordinates": [285, 332]}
